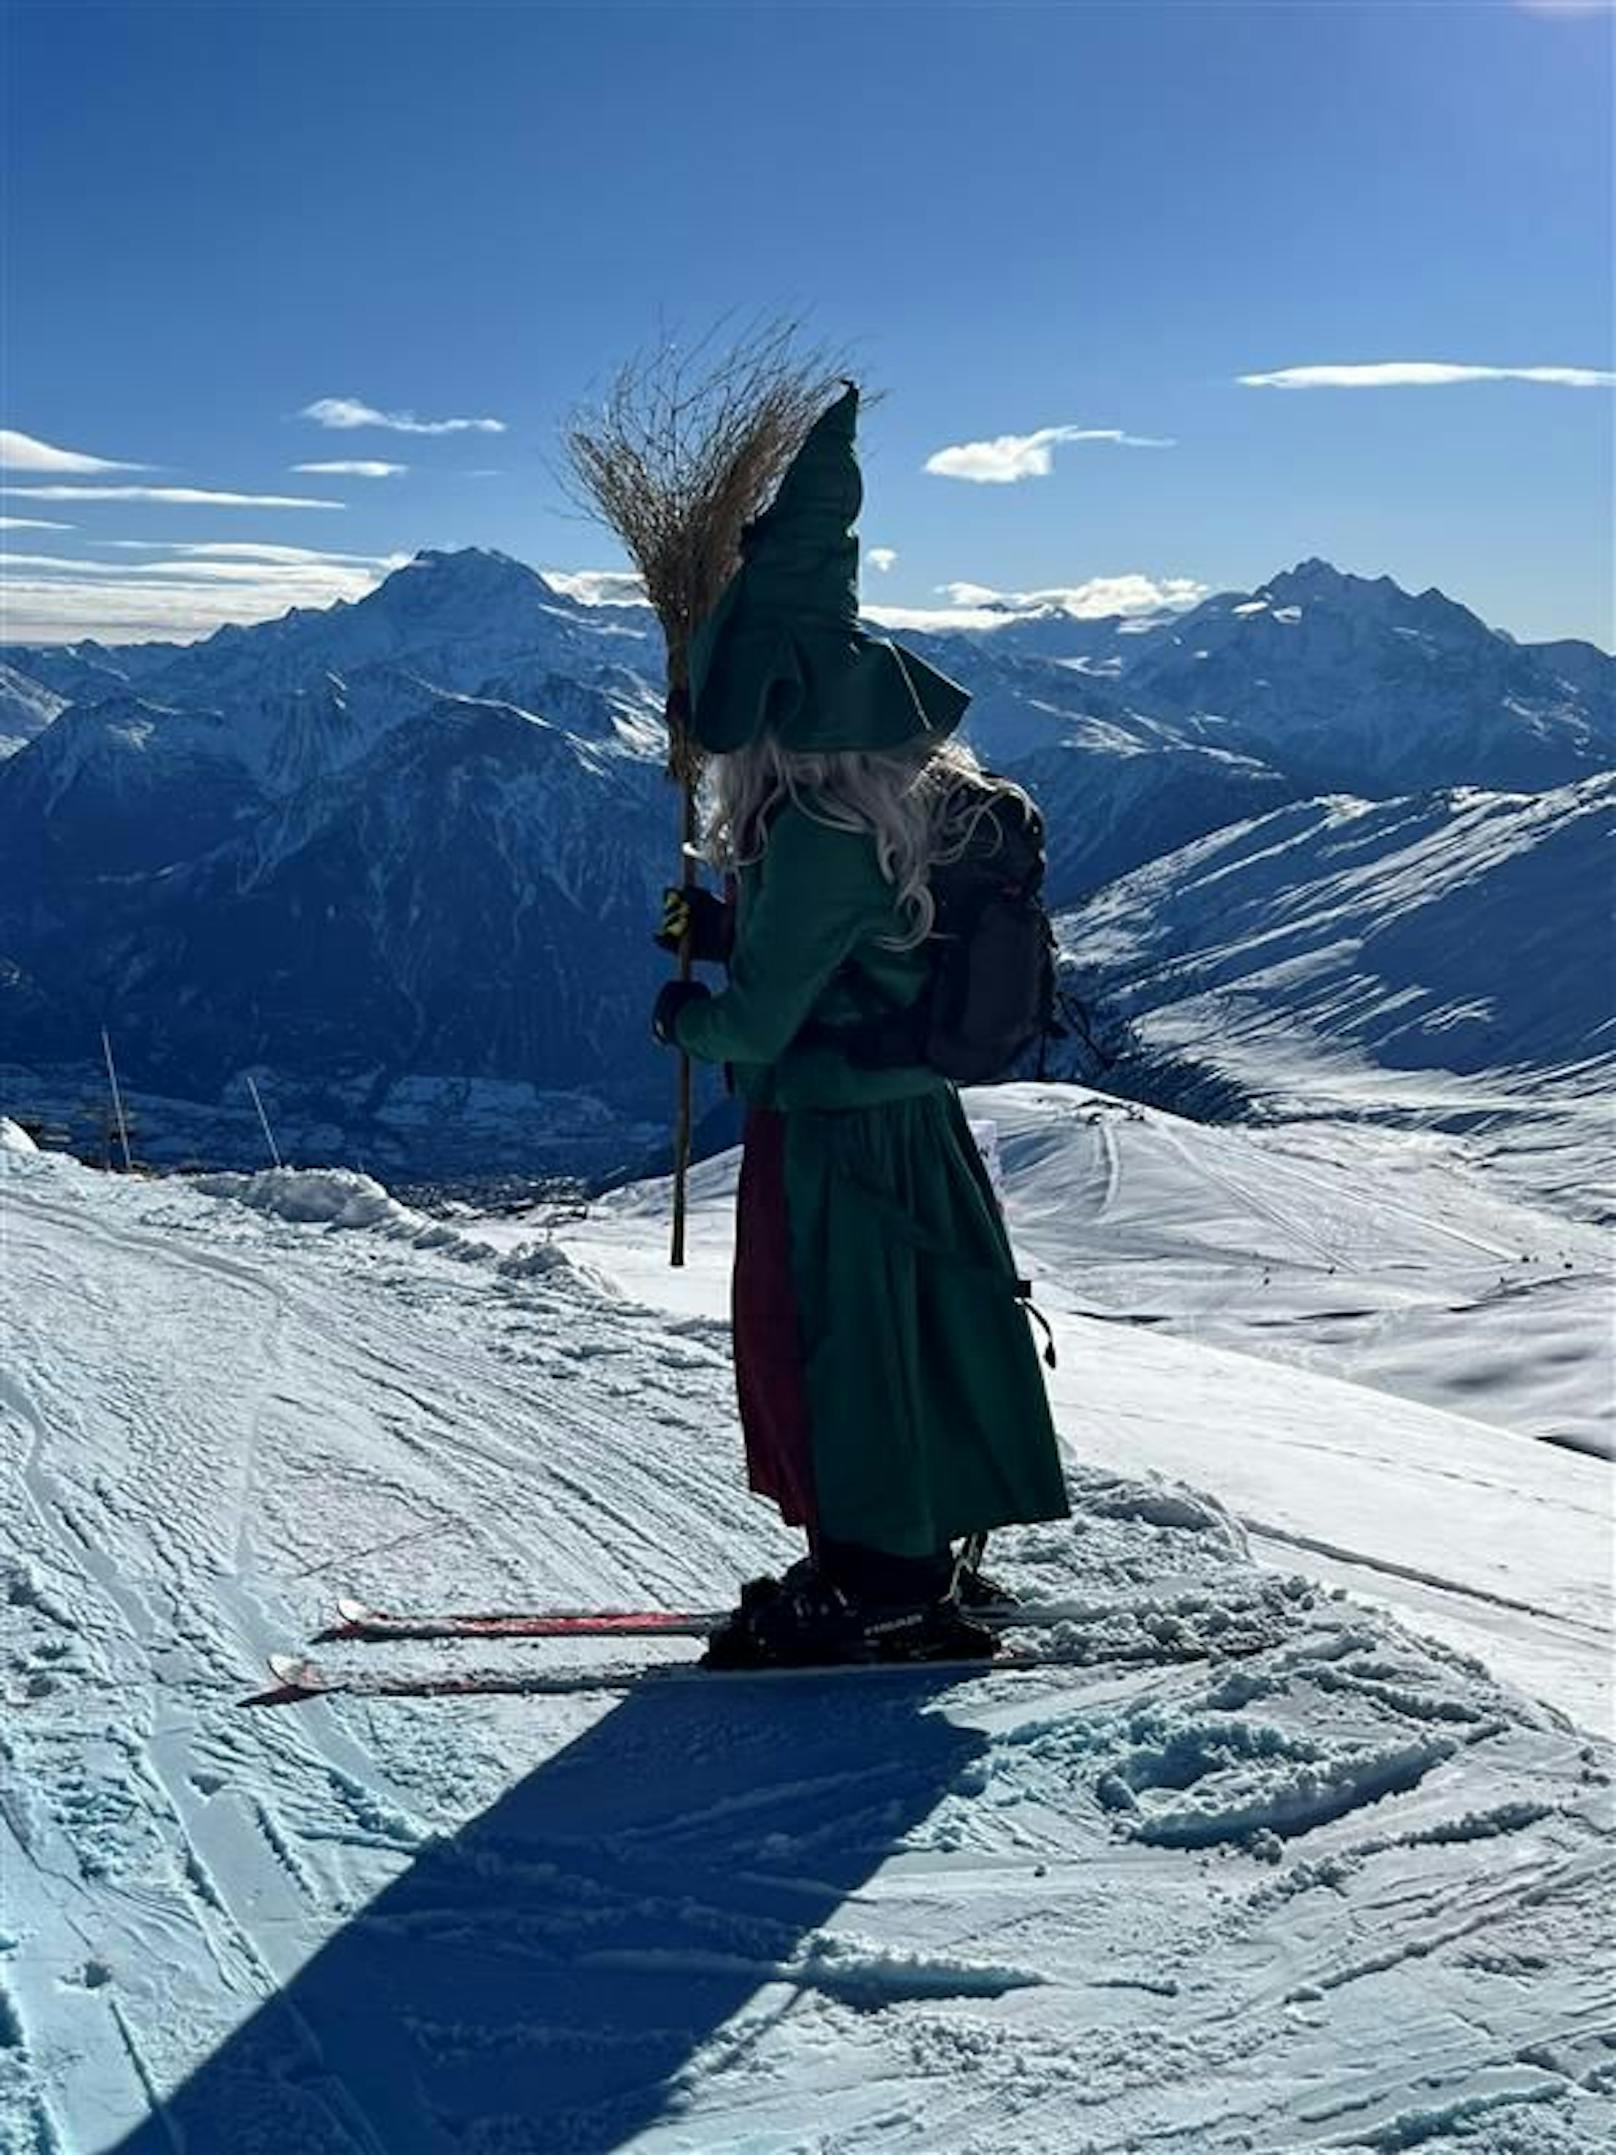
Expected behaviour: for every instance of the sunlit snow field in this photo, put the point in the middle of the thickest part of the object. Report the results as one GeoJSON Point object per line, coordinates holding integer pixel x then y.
{"type": "Point", "coordinates": [1308, 1846]}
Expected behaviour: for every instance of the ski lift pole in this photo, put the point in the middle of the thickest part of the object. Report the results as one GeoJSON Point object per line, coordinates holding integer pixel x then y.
{"type": "Point", "coordinates": [117, 1102]}
{"type": "Point", "coordinates": [269, 1135]}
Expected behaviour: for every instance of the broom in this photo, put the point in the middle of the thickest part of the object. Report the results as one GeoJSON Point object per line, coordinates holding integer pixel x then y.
{"type": "Point", "coordinates": [687, 447]}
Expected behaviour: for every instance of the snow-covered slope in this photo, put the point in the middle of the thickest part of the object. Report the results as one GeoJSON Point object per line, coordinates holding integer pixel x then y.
{"type": "Point", "coordinates": [1342, 1889]}
{"type": "Point", "coordinates": [1454, 947]}
{"type": "Point", "coordinates": [1394, 1258]}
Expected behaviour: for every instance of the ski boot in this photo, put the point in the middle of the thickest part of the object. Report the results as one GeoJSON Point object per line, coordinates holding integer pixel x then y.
{"type": "Point", "coordinates": [842, 1607]}
{"type": "Point", "coordinates": [977, 1593]}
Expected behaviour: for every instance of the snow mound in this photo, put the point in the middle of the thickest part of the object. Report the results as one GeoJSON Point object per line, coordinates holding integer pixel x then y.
{"type": "Point", "coordinates": [13, 1138]}
{"type": "Point", "coordinates": [339, 1198]}
{"type": "Point", "coordinates": [1160, 1502]}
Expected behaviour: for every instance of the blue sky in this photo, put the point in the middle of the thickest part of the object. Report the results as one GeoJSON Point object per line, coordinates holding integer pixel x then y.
{"type": "Point", "coordinates": [222, 218]}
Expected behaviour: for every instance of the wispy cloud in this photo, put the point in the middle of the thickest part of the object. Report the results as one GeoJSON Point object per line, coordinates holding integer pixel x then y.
{"type": "Point", "coordinates": [31, 523]}
{"type": "Point", "coordinates": [1009, 457]}
{"type": "Point", "coordinates": [349, 412]}
{"type": "Point", "coordinates": [353, 468]}
{"type": "Point", "coordinates": [26, 452]}
{"type": "Point", "coordinates": [1423, 374]}
{"type": "Point", "coordinates": [189, 593]}
{"type": "Point", "coordinates": [982, 606]}
{"type": "Point", "coordinates": [881, 558]}
{"type": "Point", "coordinates": [240, 550]}
{"type": "Point", "coordinates": [189, 496]}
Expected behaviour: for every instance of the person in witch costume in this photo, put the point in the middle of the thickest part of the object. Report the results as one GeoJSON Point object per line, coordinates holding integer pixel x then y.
{"type": "Point", "coordinates": [890, 1392]}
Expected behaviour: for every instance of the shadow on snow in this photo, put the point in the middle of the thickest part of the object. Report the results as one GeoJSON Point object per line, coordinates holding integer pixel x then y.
{"type": "Point", "coordinates": [556, 1974]}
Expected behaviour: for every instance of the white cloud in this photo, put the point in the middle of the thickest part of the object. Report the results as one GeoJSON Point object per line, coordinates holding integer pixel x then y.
{"type": "Point", "coordinates": [60, 599]}
{"type": "Point", "coordinates": [972, 595]}
{"type": "Point", "coordinates": [1131, 593]}
{"type": "Point", "coordinates": [1009, 457]}
{"type": "Point", "coordinates": [881, 558]}
{"type": "Point", "coordinates": [188, 495]}
{"type": "Point", "coordinates": [239, 549]}
{"type": "Point", "coordinates": [349, 412]}
{"type": "Point", "coordinates": [207, 569]}
{"type": "Point", "coordinates": [935, 617]}
{"type": "Point", "coordinates": [25, 452]}
{"type": "Point", "coordinates": [1423, 374]}
{"type": "Point", "coordinates": [597, 587]}
{"type": "Point", "coordinates": [355, 469]}
{"type": "Point", "coordinates": [31, 523]}
{"type": "Point", "coordinates": [980, 606]}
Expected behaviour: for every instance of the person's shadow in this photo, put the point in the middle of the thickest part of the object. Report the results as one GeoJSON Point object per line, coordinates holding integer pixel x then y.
{"type": "Point", "coordinates": [542, 1980]}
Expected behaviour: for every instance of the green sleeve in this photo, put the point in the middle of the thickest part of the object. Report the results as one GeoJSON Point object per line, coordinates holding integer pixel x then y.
{"type": "Point", "coordinates": [819, 892]}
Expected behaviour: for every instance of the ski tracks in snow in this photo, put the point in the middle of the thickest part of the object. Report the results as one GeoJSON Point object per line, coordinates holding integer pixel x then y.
{"type": "Point", "coordinates": [203, 1440]}
{"type": "Point", "coordinates": [1343, 1892]}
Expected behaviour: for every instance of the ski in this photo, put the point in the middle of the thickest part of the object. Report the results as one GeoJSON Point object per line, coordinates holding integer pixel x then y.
{"type": "Point", "coordinates": [299, 1679]}
{"type": "Point", "coordinates": [358, 1623]}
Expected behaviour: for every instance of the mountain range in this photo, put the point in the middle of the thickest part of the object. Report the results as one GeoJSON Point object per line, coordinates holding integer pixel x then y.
{"type": "Point", "coordinates": [399, 856]}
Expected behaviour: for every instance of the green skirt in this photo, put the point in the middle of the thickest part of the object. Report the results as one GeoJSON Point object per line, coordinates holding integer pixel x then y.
{"type": "Point", "coordinates": [916, 1412]}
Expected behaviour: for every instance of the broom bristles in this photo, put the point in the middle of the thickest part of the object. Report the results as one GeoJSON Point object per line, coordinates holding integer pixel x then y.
{"type": "Point", "coordinates": [687, 448]}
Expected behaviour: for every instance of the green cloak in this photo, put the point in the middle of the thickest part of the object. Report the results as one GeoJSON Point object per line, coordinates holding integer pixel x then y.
{"type": "Point", "coordinates": [925, 1405]}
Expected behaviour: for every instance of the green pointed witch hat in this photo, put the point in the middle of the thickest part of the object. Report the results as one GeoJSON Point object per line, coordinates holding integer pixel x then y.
{"type": "Point", "coordinates": [782, 652]}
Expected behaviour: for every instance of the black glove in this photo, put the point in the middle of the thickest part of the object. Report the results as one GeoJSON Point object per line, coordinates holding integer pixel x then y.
{"type": "Point", "coordinates": [688, 909]}
{"type": "Point", "coordinates": [673, 998]}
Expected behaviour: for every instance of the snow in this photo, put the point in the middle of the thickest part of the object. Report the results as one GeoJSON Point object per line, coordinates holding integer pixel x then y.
{"type": "Point", "coordinates": [1440, 961]}
{"type": "Point", "coordinates": [14, 1138]}
{"type": "Point", "coordinates": [1268, 1865]}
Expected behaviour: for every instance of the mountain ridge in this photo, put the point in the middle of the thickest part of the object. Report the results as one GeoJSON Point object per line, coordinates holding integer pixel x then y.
{"type": "Point", "coordinates": [435, 766]}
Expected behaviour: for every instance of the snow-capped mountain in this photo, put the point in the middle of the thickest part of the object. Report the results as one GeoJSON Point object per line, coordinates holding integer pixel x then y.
{"type": "Point", "coordinates": [454, 617]}
{"type": "Point", "coordinates": [313, 847]}
{"type": "Point", "coordinates": [1139, 735]}
{"type": "Point", "coordinates": [27, 707]}
{"type": "Point", "coordinates": [416, 837]}
{"type": "Point", "coordinates": [1352, 684]}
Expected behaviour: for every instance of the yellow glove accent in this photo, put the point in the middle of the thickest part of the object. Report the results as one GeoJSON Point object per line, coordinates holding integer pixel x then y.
{"type": "Point", "coordinates": [675, 914]}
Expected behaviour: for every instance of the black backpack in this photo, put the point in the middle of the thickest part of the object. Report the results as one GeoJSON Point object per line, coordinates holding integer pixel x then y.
{"type": "Point", "coordinates": [992, 986]}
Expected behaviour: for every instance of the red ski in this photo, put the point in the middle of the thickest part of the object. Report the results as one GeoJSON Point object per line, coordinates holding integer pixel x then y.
{"type": "Point", "coordinates": [358, 1622]}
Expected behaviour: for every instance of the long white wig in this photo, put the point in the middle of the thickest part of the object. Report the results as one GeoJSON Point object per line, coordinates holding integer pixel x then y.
{"type": "Point", "coordinates": [916, 802]}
